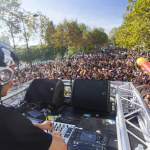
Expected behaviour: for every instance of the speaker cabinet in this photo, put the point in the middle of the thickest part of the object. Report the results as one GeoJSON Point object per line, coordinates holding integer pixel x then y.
{"type": "Point", "coordinates": [91, 94]}
{"type": "Point", "coordinates": [49, 91]}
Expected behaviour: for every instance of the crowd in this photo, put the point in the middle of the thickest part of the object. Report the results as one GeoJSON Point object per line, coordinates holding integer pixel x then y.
{"type": "Point", "coordinates": [108, 65]}
{"type": "Point", "coordinates": [113, 66]}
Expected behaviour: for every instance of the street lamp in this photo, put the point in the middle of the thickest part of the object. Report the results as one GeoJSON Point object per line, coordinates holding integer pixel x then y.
{"type": "Point", "coordinates": [25, 35]}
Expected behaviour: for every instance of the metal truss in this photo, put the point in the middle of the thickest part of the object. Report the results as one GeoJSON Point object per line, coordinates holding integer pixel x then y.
{"type": "Point", "coordinates": [130, 104]}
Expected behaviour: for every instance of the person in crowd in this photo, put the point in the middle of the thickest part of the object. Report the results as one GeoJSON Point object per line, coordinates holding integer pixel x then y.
{"type": "Point", "coordinates": [113, 65]}
{"type": "Point", "coordinates": [147, 99]}
{"type": "Point", "coordinates": [16, 131]}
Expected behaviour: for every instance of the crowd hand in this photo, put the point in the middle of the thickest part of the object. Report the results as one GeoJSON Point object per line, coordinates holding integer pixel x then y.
{"type": "Point", "coordinates": [47, 125]}
{"type": "Point", "coordinates": [56, 133]}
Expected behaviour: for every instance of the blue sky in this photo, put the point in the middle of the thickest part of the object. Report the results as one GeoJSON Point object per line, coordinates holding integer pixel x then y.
{"type": "Point", "coordinates": [94, 13]}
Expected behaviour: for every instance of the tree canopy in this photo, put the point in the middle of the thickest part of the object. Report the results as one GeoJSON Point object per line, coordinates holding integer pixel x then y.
{"type": "Point", "coordinates": [135, 29]}
{"type": "Point", "coordinates": [54, 40]}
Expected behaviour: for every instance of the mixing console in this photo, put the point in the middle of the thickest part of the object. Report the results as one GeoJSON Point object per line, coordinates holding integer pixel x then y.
{"type": "Point", "coordinates": [65, 129]}
{"type": "Point", "coordinates": [78, 139]}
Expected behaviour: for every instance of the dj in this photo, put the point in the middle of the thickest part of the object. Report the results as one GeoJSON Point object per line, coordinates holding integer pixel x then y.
{"type": "Point", "coordinates": [16, 131]}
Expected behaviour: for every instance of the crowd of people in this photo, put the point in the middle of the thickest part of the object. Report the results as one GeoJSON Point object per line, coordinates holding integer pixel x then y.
{"type": "Point", "coordinates": [109, 65]}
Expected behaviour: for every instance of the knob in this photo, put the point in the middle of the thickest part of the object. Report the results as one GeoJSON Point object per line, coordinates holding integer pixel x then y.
{"type": "Point", "coordinates": [98, 138]}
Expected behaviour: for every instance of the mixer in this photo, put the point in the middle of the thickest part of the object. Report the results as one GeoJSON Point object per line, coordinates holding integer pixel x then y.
{"type": "Point", "coordinates": [78, 139]}
{"type": "Point", "coordinates": [65, 129]}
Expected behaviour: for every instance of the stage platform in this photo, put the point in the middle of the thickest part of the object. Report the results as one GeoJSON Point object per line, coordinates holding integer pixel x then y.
{"type": "Point", "coordinates": [123, 128]}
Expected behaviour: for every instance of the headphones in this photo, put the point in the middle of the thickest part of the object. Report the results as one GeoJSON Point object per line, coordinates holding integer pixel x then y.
{"type": "Point", "coordinates": [6, 75]}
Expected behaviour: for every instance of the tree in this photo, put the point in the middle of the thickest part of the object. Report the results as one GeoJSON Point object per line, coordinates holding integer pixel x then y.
{"type": "Point", "coordinates": [50, 31]}
{"type": "Point", "coordinates": [99, 37]}
{"type": "Point", "coordinates": [40, 25]}
{"type": "Point", "coordinates": [67, 35]}
{"type": "Point", "coordinates": [112, 35]}
{"type": "Point", "coordinates": [135, 29]}
{"type": "Point", "coordinates": [27, 26]}
{"type": "Point", "coordinates": [84, 27]}
{"type": "Point", "coordinates": [9, 11]}
{"type": "Point", "coordinates": [73, 34]}
{"type": "Point", "coordinates": [49, 37]}
{"type": "Point", "coordinates": [86, 40]}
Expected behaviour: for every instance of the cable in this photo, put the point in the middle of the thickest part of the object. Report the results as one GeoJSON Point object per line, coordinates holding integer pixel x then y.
{"type": "Point", "coordinates": [112, 134]}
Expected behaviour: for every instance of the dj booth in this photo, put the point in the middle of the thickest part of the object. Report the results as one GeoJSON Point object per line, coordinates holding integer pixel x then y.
{"type": "Point", "coordinates": [91, 114]}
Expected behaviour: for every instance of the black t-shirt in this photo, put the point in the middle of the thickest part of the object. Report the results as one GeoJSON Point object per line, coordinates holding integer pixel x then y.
{"type": "Point", "coordinates": [18, 133]}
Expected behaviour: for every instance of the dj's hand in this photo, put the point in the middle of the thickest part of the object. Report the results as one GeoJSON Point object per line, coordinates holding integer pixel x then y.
{"type": "Point", "coordinates": [47, 125]}
{"type": "Point", "coordinates": [56, 133]}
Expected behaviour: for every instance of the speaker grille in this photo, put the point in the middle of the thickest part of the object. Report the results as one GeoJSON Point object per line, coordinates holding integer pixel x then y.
{"type": "Point", "coordinates": [91, 94]}
{"type": "Point", "coordinates": [46, 90]}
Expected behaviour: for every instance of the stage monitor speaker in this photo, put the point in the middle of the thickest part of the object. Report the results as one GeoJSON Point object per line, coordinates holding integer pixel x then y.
{"type": "Point", "coordinates": [91, 95]}
{"type": "Point", "coordinates": [49, 91]}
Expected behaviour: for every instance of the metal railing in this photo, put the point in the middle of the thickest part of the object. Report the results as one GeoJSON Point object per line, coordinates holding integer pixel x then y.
{"type": "Point", "coordinates": [130, 105]}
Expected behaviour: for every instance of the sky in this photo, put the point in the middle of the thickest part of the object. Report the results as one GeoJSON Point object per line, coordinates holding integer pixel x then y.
{"type": "Point", "coordinates": [94, 13]}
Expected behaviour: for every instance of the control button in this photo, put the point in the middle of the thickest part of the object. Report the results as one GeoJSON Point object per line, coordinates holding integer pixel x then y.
{"type": "Point", "coordinates": [98, 138]}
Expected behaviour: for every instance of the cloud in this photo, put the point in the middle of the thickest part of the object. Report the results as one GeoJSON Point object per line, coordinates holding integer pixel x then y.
{"type": "Point", "coordinates": [99, 13]}
{"type": "Point", "coordinates": [87, 13]}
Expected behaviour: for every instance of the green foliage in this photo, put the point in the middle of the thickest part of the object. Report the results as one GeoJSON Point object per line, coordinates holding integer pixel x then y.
{"type": "Point", "coordinates": [99, 37]}
{"type": "Point", "coordinates": [36, 53]}
{"type": "Point", "coordinates": [67, 37]}
{"type": "Point", "coordinates": [9, 10]}
{"type": "Point", "coordinates": [84, 27]}
{"type": "Point", "coordinates": [73, 34]}
{"type": "Point", "coordinates": [135, 30]}
{"type": "Point", "coordinates": [112, 35]}
{"type": "Point", "coordinates": [40, 25]}
{"type": "Point", "coordinates": [50, 31]}
{"type": "Point", "coordinates": [61, 51]}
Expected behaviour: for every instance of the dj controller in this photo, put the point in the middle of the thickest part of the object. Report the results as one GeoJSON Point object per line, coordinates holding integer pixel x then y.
{"type": "Point", "coordinates": [65, 129]}
{"type": "Point", "coordinates": [78, 139]}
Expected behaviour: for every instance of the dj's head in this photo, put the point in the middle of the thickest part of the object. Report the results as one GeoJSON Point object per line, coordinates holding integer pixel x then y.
{"type": "Point", "coordinates": [7, 64]}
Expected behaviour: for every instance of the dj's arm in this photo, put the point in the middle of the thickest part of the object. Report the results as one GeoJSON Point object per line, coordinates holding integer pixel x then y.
{"type": "Point", "coordinates": [46, 125]}
{"type": "Point", "coordinates": [58, 142]}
